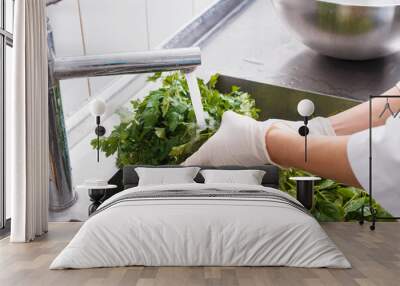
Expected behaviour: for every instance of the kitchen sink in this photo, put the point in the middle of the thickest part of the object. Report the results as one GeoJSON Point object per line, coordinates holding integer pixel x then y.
{"type": "Point", "coordinates": [281, 102]}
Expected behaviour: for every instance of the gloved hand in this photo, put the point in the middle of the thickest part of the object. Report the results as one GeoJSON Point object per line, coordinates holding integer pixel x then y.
{"type": "Point", "coordinates": [240, 140]}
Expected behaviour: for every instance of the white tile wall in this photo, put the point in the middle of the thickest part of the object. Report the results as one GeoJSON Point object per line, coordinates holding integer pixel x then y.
{"type": "Point", "coordinates": [111, 26]}
{"type": "Point", "coordinates": [165, 17]}
{"type": "Point", "coordinates": [74, 93]}
{"type": "Point", "coordinates": [98, 84]}
{"type": "Point", "coordinates": [64, 19]}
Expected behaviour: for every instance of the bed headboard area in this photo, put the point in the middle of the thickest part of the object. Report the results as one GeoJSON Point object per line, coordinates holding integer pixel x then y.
{"type": "Point", "coordinates": [271, 177]}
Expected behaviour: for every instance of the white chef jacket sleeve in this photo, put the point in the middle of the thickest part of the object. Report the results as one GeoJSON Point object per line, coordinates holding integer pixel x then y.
{"type": "Point", "coordinates": [385, 161]}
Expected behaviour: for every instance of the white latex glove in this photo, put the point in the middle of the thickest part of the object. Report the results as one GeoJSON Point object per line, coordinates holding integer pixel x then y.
{"type": "Point", "coordinates": [240, 140]}
{"type": "Point", "coordinates": [321, 126]}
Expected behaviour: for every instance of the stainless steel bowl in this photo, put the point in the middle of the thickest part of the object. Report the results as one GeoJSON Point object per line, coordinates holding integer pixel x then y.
{"type": "Point", "coordinates": [345, 29]}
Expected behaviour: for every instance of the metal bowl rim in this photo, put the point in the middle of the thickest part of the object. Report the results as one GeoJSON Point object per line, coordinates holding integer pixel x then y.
{"type": "Point", "coordinates": [360, 3]}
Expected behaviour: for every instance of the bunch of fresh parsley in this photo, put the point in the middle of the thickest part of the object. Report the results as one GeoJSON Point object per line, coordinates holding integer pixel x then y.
{"type": "Point", "coordinates": [161, 128]}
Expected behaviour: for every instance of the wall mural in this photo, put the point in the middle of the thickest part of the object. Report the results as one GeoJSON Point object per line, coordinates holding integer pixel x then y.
{"type": "Point", "coordinates": [161, 128]}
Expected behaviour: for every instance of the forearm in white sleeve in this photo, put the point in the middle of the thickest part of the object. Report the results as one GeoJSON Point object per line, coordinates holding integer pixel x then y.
{"type": "Point", "coordinates": [385, 162]}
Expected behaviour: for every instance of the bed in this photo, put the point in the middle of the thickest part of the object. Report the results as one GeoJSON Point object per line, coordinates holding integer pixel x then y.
{"type": "Point", "coordinates": [199, 224]}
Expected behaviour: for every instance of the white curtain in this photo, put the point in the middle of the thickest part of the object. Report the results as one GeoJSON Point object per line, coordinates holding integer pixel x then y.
{"type": "Point", "coordinates": [27, 128]}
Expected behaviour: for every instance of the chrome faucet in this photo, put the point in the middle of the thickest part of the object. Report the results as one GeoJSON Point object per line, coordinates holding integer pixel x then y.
{"type": "Point", "coordinates": [127, 63]}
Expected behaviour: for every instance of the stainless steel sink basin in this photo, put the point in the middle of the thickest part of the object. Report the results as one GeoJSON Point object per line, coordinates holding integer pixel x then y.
{"type": "Point", "coordinates": [345, 29]}
{"type": "Point", "coordinates": [281, 102]}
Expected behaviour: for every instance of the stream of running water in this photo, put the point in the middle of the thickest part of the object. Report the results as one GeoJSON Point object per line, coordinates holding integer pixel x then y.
{"type": "Point", "coordinates": [195, 96]}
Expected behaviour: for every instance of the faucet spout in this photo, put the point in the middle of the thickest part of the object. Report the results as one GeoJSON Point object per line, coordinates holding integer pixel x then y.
{"type": "Point", "coordinates": [127, 63]}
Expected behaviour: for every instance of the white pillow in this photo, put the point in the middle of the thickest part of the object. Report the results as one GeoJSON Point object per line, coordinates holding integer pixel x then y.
{"type": "Point", "coordinates": [248, 177]}
{"type": "Point", "coordinates": [164, 176]}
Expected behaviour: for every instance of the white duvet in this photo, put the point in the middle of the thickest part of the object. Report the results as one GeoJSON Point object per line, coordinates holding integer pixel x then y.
{"type": "Point", "coordinates": [194, 231]}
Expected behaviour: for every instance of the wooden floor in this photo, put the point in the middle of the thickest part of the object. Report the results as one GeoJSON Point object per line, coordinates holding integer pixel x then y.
{"type": "Point", "coordinates": [375, 257]}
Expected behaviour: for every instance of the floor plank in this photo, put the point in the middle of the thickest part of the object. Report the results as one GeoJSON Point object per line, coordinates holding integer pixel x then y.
{"type": "Point", "coordinates": [375, 257]}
